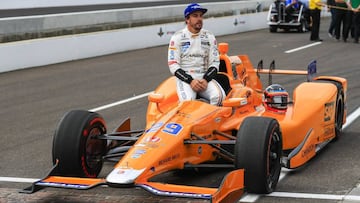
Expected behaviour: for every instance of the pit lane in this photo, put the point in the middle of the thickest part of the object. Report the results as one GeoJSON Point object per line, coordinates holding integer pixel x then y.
{"type": "Point", "coordinates": [34, 100]}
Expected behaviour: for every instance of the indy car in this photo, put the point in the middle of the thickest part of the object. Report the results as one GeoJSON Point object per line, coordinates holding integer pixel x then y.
{"type": "Point", "coordinates": [278, 18]}
{"type": "Point", "coordinates": [254, 133]}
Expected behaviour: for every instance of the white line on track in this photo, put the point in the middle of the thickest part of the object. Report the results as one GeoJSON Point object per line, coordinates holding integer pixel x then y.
{"type": "Point", "coordinates": [120, 102]}
{"type": "Point", "coordinates": [303, 47]}
{"type": "Point", "coordinates": [315, 196]}
{"type": "Point", "coordinates": [18, 180]}
{"type": "Point", "coordinates": [352, 117]}
{"type": "Point", "coordinates": [248, 197]}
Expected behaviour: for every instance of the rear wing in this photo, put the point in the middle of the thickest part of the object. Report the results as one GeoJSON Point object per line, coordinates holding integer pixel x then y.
{"type": "Point", "coordinates": [310, 73]}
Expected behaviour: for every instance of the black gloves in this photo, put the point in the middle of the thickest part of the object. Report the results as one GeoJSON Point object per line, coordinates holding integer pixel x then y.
{"type": "Point", "coordinates": [182, 75]}
{"type": "Point", "coordinates": [210, 73]}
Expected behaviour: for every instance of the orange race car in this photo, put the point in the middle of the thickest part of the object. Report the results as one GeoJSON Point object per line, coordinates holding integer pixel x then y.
{"type": "Point", "coordinates": [255, 132]}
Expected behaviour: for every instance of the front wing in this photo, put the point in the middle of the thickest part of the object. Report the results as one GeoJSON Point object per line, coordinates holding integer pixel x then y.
{"type": "Point", "coordinates": [230, 189]}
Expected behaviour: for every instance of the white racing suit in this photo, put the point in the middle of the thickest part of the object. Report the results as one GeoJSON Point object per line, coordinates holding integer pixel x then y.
{"type": "Point", "coordinates": [195, 56]}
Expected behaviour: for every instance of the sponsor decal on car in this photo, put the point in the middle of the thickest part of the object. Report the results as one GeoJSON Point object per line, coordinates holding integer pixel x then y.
{"type": "Point", "coordinates": [329, 111]}
{"type": "Point", "coordinates": [170, 128]}
{"type": "Point", "coordinates": [152, 139]}
{"type": "Point", "coordinates": [168, 159]}
{"type": "Point", "coordinates": [138, 153]}
{"type": "Point", "coordinates": [175, 194]}
{"type": "Point", "coordinates": [63, 185]}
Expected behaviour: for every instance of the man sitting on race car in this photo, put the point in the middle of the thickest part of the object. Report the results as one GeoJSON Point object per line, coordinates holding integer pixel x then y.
{"type": "Point", "coordinates": [193, 58]}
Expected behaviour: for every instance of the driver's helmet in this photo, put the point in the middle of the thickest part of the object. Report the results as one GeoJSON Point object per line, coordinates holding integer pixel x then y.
{"type": "Point", "coordinates": [276, 98]}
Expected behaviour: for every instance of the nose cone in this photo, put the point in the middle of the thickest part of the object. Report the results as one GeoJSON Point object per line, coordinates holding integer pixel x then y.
{"type": "Point", "coordinates": [123, 175]}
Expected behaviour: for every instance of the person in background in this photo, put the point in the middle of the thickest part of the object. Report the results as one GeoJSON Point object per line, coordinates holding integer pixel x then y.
{"type": "Point", "coordinates": [315, 11]}
{"type": "Point", "coordinates": [355, 7]}
{"type": "Point", "coordinates": [290, 7]}
{"type": "Point", "coordinates": [306, 12]}
{"type": "Point", "coordinates": [332, 10]}
{"type": "Point", "coordinates": [193, 58]}
{"type": "Point", "coordinates": [342, 19]}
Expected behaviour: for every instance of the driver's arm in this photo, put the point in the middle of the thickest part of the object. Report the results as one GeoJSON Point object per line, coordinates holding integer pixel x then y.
{"type": "Point", "coordinates": [174, 61]}
{"type": "Point", "coordinates": [214, 59]}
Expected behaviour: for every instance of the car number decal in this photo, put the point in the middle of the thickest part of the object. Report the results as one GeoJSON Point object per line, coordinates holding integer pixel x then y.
{"type": "Point", "coordinates": [172, 128]}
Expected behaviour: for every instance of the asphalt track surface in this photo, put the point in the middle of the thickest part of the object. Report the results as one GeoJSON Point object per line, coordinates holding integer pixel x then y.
{"type": "Point", "coordinates": [70, 9]}
{"type": "Point", "coordinates": [33, 101]}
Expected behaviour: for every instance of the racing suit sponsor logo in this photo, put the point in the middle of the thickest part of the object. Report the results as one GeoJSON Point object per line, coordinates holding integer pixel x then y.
{"type": "Point", "coordinates": [205, 43]}
{"type": "Point", "coordinates": [183, 94]}
{"type": "Point", "coordinates": [194, 55]}
{"type": "Point", "coordinates": [184, 37]}
{"type": "Point", "coordinates": [204, 36]}
{"type": "Point", "coordinates": [172, 55]}
{"type": "Point", "coordinates": [216, 53]}
{"type": "Point", "coordinates": [185, 46]}
{"type": "Point", "coordinates": [171, 62]}
{"type": "Point", "coordinates": [185, 43]}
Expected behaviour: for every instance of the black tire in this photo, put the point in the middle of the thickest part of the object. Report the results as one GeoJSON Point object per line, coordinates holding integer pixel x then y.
{"type": "Point", "coordinates": [339, 113]}
{"type": "Point", "coordinates": [258, 150]}
{"type": "Point", "coordinates": [78, 153]}
{"type": "Point", "coordinates": [302, 28]}
{"type": "Point", "coordinates": [273, 28]}
{"type": "Point", "coordinates": [339, 108]}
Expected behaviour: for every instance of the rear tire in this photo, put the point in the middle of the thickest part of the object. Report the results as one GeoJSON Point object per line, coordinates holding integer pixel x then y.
{"type": "Point", "coordinates": [258, 150]}
{"type": "Point", "coordinates": [339, 108]}
{"type": "Point", "coordinates": [79, 154]}
{"type": "Point", "coordinates": [339, 113]}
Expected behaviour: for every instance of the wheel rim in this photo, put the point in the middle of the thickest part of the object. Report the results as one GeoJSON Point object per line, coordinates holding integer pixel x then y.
{"type": "Point", "coordinates": [94, 149]}
{"type": "Point", "coordinates": [274, 156]}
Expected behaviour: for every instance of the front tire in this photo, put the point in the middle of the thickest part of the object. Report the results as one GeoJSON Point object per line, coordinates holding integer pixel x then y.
{"type": "Point", "coordinates": [258, 150]}
{"type": "Point", "coordinates": [75, 146]}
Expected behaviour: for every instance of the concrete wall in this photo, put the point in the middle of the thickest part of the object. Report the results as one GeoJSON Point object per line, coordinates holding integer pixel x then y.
{"type": "Point", "coordinates": [48, 25]}
{"type": "Point", "coordinates": [50, 50]}
{"type": "Point", "coordinates": [45, 51]}
{"type": "Point", "coordinates": [18, 4]}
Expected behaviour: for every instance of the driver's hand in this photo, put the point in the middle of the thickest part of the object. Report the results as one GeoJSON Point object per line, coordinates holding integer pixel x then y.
{"type": "Point", "coordinates": [199, 85]}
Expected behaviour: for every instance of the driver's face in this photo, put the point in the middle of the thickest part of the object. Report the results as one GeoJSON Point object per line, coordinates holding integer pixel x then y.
{"type": "Point", "coordinates": [195, 21]}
